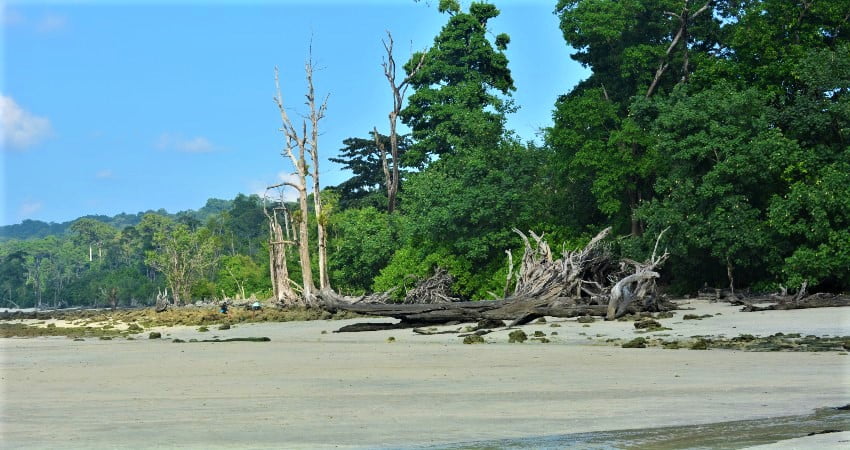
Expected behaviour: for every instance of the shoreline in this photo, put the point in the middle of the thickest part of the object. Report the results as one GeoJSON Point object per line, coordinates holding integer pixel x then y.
{"type": "Point", "coordinates": [312, 388]}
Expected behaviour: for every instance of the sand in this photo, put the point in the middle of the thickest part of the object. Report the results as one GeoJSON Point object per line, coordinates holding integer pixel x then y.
{"type": "Point", "coordinates": [306, 389]}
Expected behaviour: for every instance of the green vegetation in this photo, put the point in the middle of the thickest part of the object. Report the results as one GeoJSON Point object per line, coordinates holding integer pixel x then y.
{"type": "Point", "coordinates": [8, 330]}
{"type": "Point", "coordinates": [735, 136]}
{"type": "Point", "coordinates": [635, 343]}
{"type": "Point", "coordinates": [517, 336]}
{"type": "Point", "coordinates": [474, 339]}
{"type": "Point", "coordinates": [696, 317]}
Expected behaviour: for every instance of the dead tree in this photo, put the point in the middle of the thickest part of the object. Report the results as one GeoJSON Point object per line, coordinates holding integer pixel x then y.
{"type": "Point", "coordinates": [296, 149]}
{"type": "Point", "coordinates": [576, 273]}
{"type": "Point", "coordinates": [281, 283]}
{"type": "Point", "coordinates": [640, 284]}
{"type": "Point", "coordinates": [681, 37]}
{"type": "Point", "coordinates": [161, 301]}
{"type": "Point", "coordinates": [316, 115]}
{"type": "Point", "coordinates": [391, 174]}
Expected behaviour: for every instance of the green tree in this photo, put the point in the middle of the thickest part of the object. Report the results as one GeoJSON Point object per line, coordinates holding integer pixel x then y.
{"type": "Point", "coordinates": [13, 278]}
{"type": "Point", "coordinates": [240, 277]}
{"type": "Point", "coordinates": [362, 157]}
{"type": "Point", "coordinates": [461, 92]}
{"type": "Point", "coordinates": [460, 211]}
{"type": "Point", "coordinates": [362, 242]}
{"type": "Point", "coordinates": [723, 167]}
{"type": "Point", "coordinates": [244, 226]}
{"type": "Point", "coordinates": [183, 256]}
{"type": "Point", "coordinates": [636, 49]}
{"type": "Point", "coordinates": [93, 235]}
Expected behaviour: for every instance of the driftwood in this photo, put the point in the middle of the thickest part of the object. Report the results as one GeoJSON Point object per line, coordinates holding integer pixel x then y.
{"type": "Point", "coordinates": [584, 282]}
{"type": "Point", "coordinates": [440, 313]}
{"type": "Point", "coordinates": [161, 301]}
{"type": "Point", "coordinates": [820, 300]}
{"type": "Point", "coordinates": [436, 289]}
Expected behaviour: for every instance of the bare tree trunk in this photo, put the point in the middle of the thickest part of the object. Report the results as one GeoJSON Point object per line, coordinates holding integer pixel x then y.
{"type": "Point", "coordinates": [281, 284]}
{"type": "Point", "coordinates": [681, 36]}
{"type": "Point", "coordinates": [398, 90]}
{"type": "Point", "coordinates": [730, 269]}
{"type": "Point", "coordinates": [304, 246]}
{"type": "Point", "coordinates": [296, 142]}
{"type": "Point", "coordinates": [315, 116]}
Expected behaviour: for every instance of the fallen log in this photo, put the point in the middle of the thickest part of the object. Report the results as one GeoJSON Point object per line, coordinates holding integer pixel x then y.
{"type": "Point", "coordinates": [820, 300]}
{"type": "Point", "coordinates": [440, 313]}
{"type": "Point", "coordinates": [585, 282]}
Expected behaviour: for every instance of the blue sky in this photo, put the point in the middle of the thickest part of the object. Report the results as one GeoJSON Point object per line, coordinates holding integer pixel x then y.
{"type": "Point", "coordinates": [112, 107]}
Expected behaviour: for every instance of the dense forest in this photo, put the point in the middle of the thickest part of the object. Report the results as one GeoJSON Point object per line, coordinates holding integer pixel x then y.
{"type": "Point", "coordinates": [725, 122]}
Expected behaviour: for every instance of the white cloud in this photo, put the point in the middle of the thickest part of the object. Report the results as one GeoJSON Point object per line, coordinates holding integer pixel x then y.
{"type": "Point", "coordinates": [12, 17]}
{"type": "Point", "coordinates": [51, 23]}
{"type": "Point", "coordinates": [289, 193]}
{"type": "Point", "coordinates": [176, 142]}
{"type": "Point", "coordinates": [27, 209]}
{"type": "Point", "coordinates": [20, 129]}
{"type": "Point", "coordinates": [104, 174]}
{"type": "Point", "coordinates": [46, 24]}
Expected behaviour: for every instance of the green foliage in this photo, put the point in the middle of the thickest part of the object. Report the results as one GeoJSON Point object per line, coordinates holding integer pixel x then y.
{"type": "Point", "coordinates": [180, 254]}
{"type": "Point", "coordinates": [740, 148]}
{"type": "Point", "coordinates": [363, 158]}
{"type": "Point", "coordinates": [460, 214]}
{"type": "Point", "coordinates": [456, 97]}
{"type": "Point", "coordinates": [722, 168]}
{"type": "Point", "coordinates": [816, 215]}
{"type": "Point", "coordinates": [240, 277]}
{"type": "Point", "coordinates": [474, 339]}
{"type": "Point", "coordinates": [517, 336]}
{"type": "Point", "coordinates": [362, 243]}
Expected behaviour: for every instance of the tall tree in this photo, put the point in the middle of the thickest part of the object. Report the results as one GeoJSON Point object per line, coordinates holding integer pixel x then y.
{"type": "Point", "coordinates": [93, 234]}
{"type": "Point", "coordinates": [363, 157]}
{"type": "Point", "coordinates": [298, 145]}
{"type": "Point", "coordinates": [636, 49]}
{"type": "Point", "coordinates": [462, 88]}
{"type": "Point", "coordinates": [13, 278]}
{"type": "Point", "coordinates": [390, 164]}
{"type": "Point", "coordinates": [182, 255]}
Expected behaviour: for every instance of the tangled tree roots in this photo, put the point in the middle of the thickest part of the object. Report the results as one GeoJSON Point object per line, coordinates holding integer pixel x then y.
{"type": "Point", "coordinates": [436, 289]}
{"type": "Point", "coordinates": [582, 282]}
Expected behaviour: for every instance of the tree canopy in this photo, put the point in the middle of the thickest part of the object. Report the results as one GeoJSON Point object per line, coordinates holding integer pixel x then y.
{"type": "Point", "coordinates": [724, 122]}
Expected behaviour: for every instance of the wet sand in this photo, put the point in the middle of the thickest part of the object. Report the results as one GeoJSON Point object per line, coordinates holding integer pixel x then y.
{"type": "Point", "coordinates": [306, 389]}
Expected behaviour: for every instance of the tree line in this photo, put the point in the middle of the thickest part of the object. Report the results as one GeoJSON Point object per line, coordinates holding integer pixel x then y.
{"type": "Point", "coordinates": [725, 122]}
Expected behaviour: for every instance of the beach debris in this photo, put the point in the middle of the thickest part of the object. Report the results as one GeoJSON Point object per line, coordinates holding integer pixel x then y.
{"type": "Point", "coordinates": [580, 283]}
{"type": "Point", "coordinates": [647, 323]}
{"type": "Point", "coordinates": [435, 289]}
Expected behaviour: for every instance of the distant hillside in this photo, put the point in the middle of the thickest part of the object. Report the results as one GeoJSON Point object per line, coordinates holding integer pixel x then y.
{"type": "Point", "coordinates": [36, 229]}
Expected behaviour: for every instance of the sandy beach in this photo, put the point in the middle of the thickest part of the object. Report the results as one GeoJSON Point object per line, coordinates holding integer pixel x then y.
{"type": "Point", "coordinates": [312, 388]}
